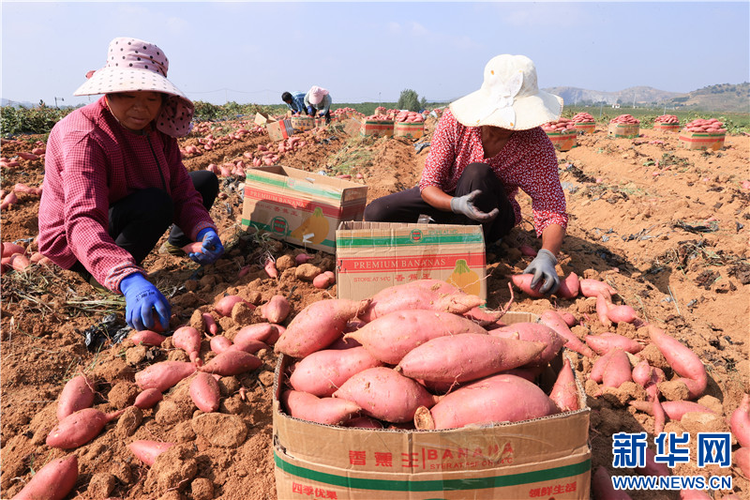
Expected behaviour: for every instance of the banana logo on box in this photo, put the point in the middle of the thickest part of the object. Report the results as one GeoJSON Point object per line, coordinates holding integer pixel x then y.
{"type": "Point", "coordinates": [314, 229]}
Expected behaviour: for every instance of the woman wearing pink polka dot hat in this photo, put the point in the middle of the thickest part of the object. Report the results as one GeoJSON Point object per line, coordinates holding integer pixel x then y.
{"type": "Point", "coordinates": [114, 181]}
{"type": "Point", "coordinates": [487, 146]}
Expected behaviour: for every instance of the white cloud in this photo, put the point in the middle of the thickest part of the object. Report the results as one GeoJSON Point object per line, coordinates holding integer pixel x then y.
{"type": "Point", "coordinates": [394, 28]}
{"type": "Point", "coordinates": [419, 30]}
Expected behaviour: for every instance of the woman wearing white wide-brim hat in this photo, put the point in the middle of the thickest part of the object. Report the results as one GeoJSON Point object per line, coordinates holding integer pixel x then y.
{"type": "Point", "coordinates": [486, 147]}
{"type": "Point", "coordinates": [114, 181]}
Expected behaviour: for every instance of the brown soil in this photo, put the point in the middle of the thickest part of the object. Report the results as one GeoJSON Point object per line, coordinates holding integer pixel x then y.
{"type": "Point", "coordinates": [668, 228]}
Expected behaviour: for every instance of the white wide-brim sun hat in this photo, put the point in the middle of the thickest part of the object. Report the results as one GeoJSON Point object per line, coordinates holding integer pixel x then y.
{"type": "Point", "coordinates": [509, 97]}
{"type": "Point", "coordinates": [135, 65]}
{"type": "Point", "coordinates": [317, 94]}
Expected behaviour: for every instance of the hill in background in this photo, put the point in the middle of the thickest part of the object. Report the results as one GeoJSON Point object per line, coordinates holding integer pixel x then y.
{"type": "Point", "coordinates": [723, 97]}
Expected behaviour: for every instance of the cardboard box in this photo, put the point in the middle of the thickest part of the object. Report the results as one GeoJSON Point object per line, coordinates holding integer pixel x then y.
{"type": "Point", "coordinates": [377, 128]}
{"type": "Point", "coordinates": [702, 140]}
{"type": "Point", "coordinates": [261, 119]}
{"type": "Point", "coordinates": [280, 130]}
{"type": "Point", "coordinates": [352, 126]}
{"type": "Point", "coordinates": [564, 141]}
{"type": "Point", "coordinates": [414, 130]}
{"type": "Point", "coordinates": [371, 256]}
{"type": "Point", "coordinates": [545, 458]}
{"type": "Point", "coordinates": [669, 127]}
{"type": "Point", "coordinates": [586, 127]}
{"type": "Point", "coordinates": [629, 130]}
{"type": "Point", "coordinates": [302, 123]}
{"type": "Point", "coordinates": [300, 207]}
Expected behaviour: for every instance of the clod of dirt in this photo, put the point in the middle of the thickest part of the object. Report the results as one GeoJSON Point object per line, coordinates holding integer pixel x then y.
{"type": "Point", "coordinates": [695, 422]}
{"type": "Point", "coordinates": [307, 272]}
{"type": "Point", "coordinates": [129, 422]}
{"type": "Point", "coordinates": [226, 431]}
{"type": "Point", "coordinates": [174, 468]}
{"type": "Point", "coordinates": [202, 489]}
{"type": "Point", "coordinates": [101, 485]}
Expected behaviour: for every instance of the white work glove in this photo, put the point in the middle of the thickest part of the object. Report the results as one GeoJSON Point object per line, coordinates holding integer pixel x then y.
{"type": "Point", "coordinates": [543, 269]}
{"type": "Point", "coordinates": [464, 205]}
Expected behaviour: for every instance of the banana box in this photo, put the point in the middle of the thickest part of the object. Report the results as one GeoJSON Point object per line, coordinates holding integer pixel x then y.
{"type": "Point", "coordinates": [371, 256]}
{"type": "Point", "coordinates": [300, 207]}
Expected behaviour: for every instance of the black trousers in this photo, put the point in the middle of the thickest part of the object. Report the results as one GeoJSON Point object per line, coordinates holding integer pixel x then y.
{"type": "Point", "coordinates": [137, 221]}
{"type": "Point", "coordinates": [406, 206]}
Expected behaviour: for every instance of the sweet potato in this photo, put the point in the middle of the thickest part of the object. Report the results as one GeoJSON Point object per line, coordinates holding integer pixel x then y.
{"type": "Point", "coordinates": [77, 394]}
{"type": "Point", "coordinates": [591, 288]}
{"type": "Point", "coordinates": [188, 339]}
{"type": "Point", "coordinates": [363, 423]}
{"type": "Point", "coordinates": [552, 319]}
{"type": "Point", "coordinates": [324, 371]}
{"type": "Point", "coordinates": [694, 495]}
{"type": "Point", "coordinates": [613, 369]}
{"type": "Point", "coordinates": [389, 337]}
{"type": "Point", "coordinates": [79, 428]}
{"type": "Point", "coordinates": [163, 375]}
{"type": "Point", "coordinates": [324, 280]}
{"type": "Point", "coordinates": [621, 313]}
{"type": "Point", "coordinates": [646, 375]}
{"type": "Point", "coordinates": [225, 304]}
{"type": "Point", "coordinates": [652, 468]}
{"type": "Point", "coordinates": [146, 451]}
{"type": "Point", "coordinates": [257, 331]}
{"type": "Point", "coordinates": [569, 287]}
{"type": "Point", "coordinates": [232, 362]}
{"type": "Point", "coordinates": [739, 422]}
{"type": "Point", "coordinates": [603, 343]}
{"type": "Point", "coordinates": [602, 309]}
{"type": "Point", "coordinates": [411, 296]}
{"type": "Point", "coordinates": [204, 391]}
{"type": "Point", "coordinates": [602, 489]}
{"type": "Point", "coordinates": [147, 337]}
{"type": "Point", "coordinates": [741, 458]}
{"type": "Point", "coordinates": [211, 326]}
{"type": "Point", "coordinates": [318, 325]}
{"type": "Point", "coordinates": [533, 332]}
{"type": "Point", "coordinates": [385, 394]}
{"type": "Point", "coordinates": [276, 309]}
{"type": "Point", "coordinates": [465, 357]}
{"type": "Point", "coordinates": [219, 343]}
{"type": "Point", "coordinates": [148, 398]}
{"type": "Point", "coordinates": [565, 391]}
{"type": "Point", "coordinates": [523, 283]}
{"type": "Point", "coordinates": [53, 481]}
{"type": "Point", "coordinates": [499, 398]}
{"type": "Point", "coordinates": [248, 345]}
{"type": "Point", "coordinates": [652, 392]}
{"type": "Point", "coordinates": [326, 410]}
{"type": "Point", "coordinates": [683, 361]}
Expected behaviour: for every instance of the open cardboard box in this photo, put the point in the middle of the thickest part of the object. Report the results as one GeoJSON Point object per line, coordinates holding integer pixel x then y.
{"type": "Point", "coordinates": [540, 458]}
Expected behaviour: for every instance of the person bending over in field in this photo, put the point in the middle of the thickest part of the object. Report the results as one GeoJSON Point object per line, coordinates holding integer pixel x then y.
{"type": "Point", "coordinates": [295, 101]}
{"type": "Point", "coordinates": [114, 181]}
{"type": "Point", "coordinates": [318, 101]}
{"type": "Point", "coordinates": [486, 146]}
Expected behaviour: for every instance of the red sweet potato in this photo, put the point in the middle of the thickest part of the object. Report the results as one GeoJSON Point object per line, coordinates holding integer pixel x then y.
{"type": "Point", "coordinates": [146, 451]}
{"type": "Point", "coordinates": [163, 375]}
{"type": "Point", "coordinates": [683, 361]}
{"type": "Point", "coordinates": [602, 489]}
{"type": "Point", "coordinates": [621, 313]}
{"type": "Point", "coordinates": [257, 331]}
{"type": "Point", "coordinates": [148, 398]}
{"type": "Point", "coordinates": [276, 309]}
{"type": "Point", "coordinates": [565, 391]}
{"type": "Point", "coordinates": [324, 371]}
{"type": "Point", "coordinates": [248, 345]}
{"type": "Point", "coordinates": [603, 343]}
{"type": "Point", "coordinates": [204, 391]}
{"type": "Point", "coordinates": [389, 337]}
{"type": "Point", "coordinates": [79, 428]}
{"type": "Point", "coordinates": [385, 394]}
{"type": "Point", "coordinates": [613, 369]}
{"type": "Point", "coordinates": [189, 340]}
{"type": "Point", "coordinates": [411, 296]}
{"type": "Point", "coordinates": [232, 362]}
{"type": "Point", "coordinates": [211, 326]}
{"type": "Point", "coordinates": [741, 458]}
{"type": "Point", "coordinates": [225, 304]}
{"type": "Point", "coordinates": [523, 283]}
{"type": "Point", "coordinates": [147, 337]}
{"type": "Point", "coordinates": [465, 357]}
{"type": "Point", "coordinates": [652, 468]}
{"type": "Point", "coordinates": [646, 375]}
{"type": "Point", "coordinates": [569, 287]}
{"type": "Point", "coordinates": [739, 422]}
{"type": "Point", "coordinates": [591, 288]}
{"type": "Point", "coordinates": [552, 319]}
{"type": "Point", "coordinates": [77, 394]}
{"type": "Point", "coordinates": [318, 325]}
{"type": "Point", "coordinates": [363, 423]}
{"type": "Point", "coordinates": [652, 392]}
{"type": "Point", "coordinates": [219, 343]}
{"type": "Point", "coordinates": [694, 495]}
{"type": "Point", "coordinates": [325, 410]}
{"type": "Point", "coordinates": [533, 332]}
{"type": "Point", "coordinates": [53, 481]}
{"type": "Point", "coordinates": [499, 398]}
{"type": "Point", "coordinates": [602, 309]}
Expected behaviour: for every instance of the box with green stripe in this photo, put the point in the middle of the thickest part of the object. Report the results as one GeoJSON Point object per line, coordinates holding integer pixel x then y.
{"type": "Point", "coordinates": [371, 256]}
{"type": "Point", "coordinates": [546, 458]}
{"type": "Point", "coordinates": [300, 207]}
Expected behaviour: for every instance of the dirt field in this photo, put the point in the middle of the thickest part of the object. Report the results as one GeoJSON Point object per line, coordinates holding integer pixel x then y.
{"type": "Point", "coordinates": [668, 228]}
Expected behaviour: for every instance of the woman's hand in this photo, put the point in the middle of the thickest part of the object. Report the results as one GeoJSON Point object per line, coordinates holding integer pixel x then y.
{"type": "Point", "coordinates": [211, 248]}
{"type": "Point", "coordinates": [543, 269]}
{"type": "Point", "coordinates": [464, 205]}
{"type": "Point", "coordinates": [142, 300]}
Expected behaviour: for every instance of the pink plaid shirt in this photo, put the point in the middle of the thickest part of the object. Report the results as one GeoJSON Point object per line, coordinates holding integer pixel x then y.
{"type": "Point", "coordinates": [91, 162]}
{"type": "Point", "coordinates": [528, 161]}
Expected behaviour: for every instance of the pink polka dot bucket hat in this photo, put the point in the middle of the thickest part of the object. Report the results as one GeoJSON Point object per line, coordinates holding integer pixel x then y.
{"type": "Point", "coordinates": [135, 65]}
{"type": "Point", "coordinates": [509, 97]}
{"type": "Point", "coordinates": [317, 94]}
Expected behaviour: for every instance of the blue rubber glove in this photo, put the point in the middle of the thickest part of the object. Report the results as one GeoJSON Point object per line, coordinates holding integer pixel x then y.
{"type": "Point", "coordinates": [211, 249]}
{"type": "Point", "coordinates": [543, 269]}
{"type": "Point", "coordinates": [142, 299]}
{"type": "Point", "coordinates": [464, 205]}
{"type": "Point", "coordinates": [311, 111]}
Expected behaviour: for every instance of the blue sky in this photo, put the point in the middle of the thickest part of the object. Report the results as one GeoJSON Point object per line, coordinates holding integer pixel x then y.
{"type": "Point", "coordinates": [250, 52]}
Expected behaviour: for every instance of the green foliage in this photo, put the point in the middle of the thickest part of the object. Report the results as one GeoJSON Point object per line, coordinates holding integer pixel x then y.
{"type": "Point", "coordinates": [37, 120]}
{"type": "Point", "coordinates": [409, 99]}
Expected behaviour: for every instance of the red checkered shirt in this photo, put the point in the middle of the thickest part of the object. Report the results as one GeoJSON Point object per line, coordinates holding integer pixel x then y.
{"type": "Point", "coordinates": [528, 161]}
{"type": "Point", "coordinates": [92, 161]}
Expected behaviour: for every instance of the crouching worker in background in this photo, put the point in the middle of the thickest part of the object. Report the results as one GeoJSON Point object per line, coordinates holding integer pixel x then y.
{"type": "Point", "coordinates": [484, 148]}
{"type": "Point", "coordinates": [114, 182]}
